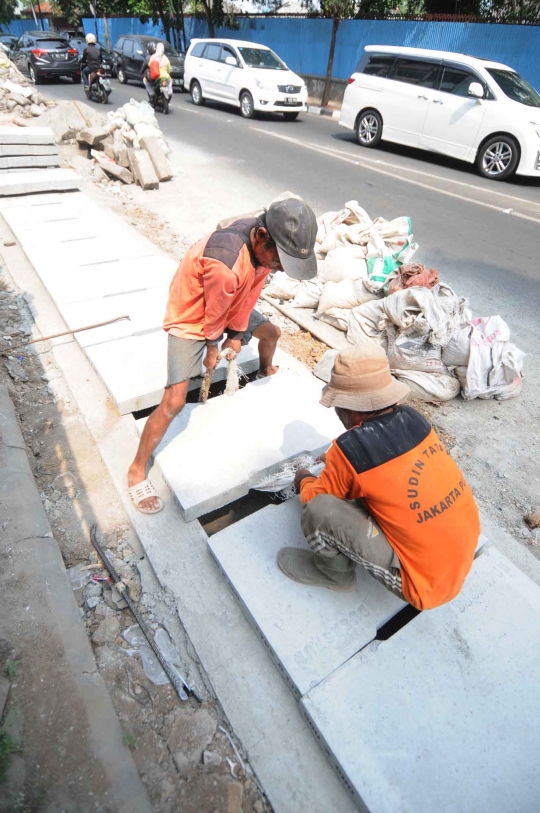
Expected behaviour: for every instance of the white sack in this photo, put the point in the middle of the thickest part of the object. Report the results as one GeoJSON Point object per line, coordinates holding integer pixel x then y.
{"type": "Point", "coordinates": [138, 112]}
{"type": "Point", "coordinates": [400, 227]}
{"type": "Point", "coordinates": [381, 265]}
{"type": "Point", "coordinates": [345, 294]}
{"type": "Point", "coordinates": [282, 286]}
{"type": "Point", "coordinates": [435, 311]}
{"type": "Point", "coordinates": [495, 364]}
{"type": "Point", "coordinates": [337, 317]}
{"type": "Point", "coordinates": [345, 262]}
{"type": "Point", "coordinates": [144, 129]}
{"type": "Point", "coordinates": [430, 386]}
{"type": "Point", "coordinates": [456, 352]}
{"type": "Point", "coordinates": [351, 225]}
{"type": "Point", "coordinates": [366, 323]}
{"type": "Point", "coordinates": [307, 294]}
{"type": "Point", "coordinates": [407, 352]}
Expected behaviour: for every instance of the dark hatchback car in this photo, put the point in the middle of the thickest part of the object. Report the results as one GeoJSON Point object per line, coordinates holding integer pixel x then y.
{"type": "Point", "coordinates": [43, 56]}
{"type": "Point", "coordinates": [107, 61]}
{"type": "Point", "coordinates": [8, 41]}
{"type": "Point", "coordinates": [130, 52]}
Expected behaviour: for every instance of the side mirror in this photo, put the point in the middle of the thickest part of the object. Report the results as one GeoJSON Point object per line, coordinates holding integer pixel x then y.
{"type": "Point", "coordinates": [230, 60]}
{"type": "Point", "coordinates": [476, 90]}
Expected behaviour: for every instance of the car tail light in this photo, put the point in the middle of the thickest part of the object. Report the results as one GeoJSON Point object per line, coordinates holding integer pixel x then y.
{"type": "Point", "coordinates": [350, 80]}
{"type": "Point", "coordinates": [39, 51]}
{"type": "Point", "coordinates": [72, 51]}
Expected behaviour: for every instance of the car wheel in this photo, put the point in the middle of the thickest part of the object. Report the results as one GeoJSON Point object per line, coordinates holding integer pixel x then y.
{"type": "Point", "coordinates": [122, 76]}
{"type": "Point", "coordinates": [369, 128]}
{"type": "Point", "coordinates": [196, 94]}
{"type": "Point", "coordinates": [77, 78]}
{"type": "Point", "coordinates": [498, 158]}
{"type": "Point", "coordinates": [247, 108]}
{"type": "Point", "coordinates": [290, 116]}
{"type": "Point", "coordinates": [35, 77]}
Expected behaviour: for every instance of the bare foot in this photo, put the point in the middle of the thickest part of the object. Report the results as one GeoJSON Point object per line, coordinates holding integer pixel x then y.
{"type": "Point", "coordinates": [267, 372]}
{"type": "Point", "coordinates": [135, 476]}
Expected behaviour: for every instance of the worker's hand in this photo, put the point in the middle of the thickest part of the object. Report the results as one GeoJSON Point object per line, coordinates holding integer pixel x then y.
{"type": "Point", "coordinates": [321, 458]}
{"type": "Point", "coordinates": [299, 476]}
{"type": "Point", "coordinates": [212, 356]}
{"type": "Point", "coordinates": [230, 348]}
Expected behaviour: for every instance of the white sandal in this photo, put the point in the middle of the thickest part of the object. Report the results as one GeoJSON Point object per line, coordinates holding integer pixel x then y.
{"type": "Point", "coordinates": [141, 492]}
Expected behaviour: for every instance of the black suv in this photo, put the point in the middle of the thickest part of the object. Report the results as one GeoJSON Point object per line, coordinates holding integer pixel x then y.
{"type": "Point", "coordinates": [43, 55]}
{"type": "Point", "coordinates": [130, 52]}
{"type": "Point", "coordinates": [107, 62]}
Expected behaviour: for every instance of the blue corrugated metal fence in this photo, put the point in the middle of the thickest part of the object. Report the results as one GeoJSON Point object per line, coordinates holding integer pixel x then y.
{"type": "Point", "coordinates": [304, 43]}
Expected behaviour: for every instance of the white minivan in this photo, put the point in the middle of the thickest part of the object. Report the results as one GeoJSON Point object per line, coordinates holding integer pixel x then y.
{"type": "Point", "coordinates": [470, 108]}
{"type": "Point", "coordinates": [244, 74]}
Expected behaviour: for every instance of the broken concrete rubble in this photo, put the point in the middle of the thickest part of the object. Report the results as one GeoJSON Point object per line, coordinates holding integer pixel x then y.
{"type": "Point", "coordinates": [159, 160]}
{"type": "Point", "coordinates": [67, 118]}
{"type": "Point", "coordinates": [142, 168]}
{"type": "Point", "coordinates": [111, 167]}
{"type": "Point", "coordinates": [92, 136]}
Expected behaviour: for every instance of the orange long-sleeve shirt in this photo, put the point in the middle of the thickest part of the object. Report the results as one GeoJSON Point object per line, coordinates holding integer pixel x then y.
{"type": "Point", "coordinates": [416, 492]}
{"type": "Point", "coordinates": [216, 286]}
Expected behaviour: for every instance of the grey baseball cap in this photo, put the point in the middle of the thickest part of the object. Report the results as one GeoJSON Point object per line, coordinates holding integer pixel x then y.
{"type": "Point", "coordinates": [293, 227]}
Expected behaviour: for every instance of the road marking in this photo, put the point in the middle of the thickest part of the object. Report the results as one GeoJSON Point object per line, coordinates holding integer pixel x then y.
{"type": "Point", "coordinates": [432, 175]}
{"type": "Point", "coordinates": [340, 157]}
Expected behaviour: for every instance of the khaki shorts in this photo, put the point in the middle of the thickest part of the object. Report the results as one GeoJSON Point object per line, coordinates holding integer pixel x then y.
{"type": "Point", "coordinates": [184, 356]}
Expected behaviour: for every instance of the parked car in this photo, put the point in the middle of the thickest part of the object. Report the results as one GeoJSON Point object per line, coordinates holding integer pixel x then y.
{"type": "Point", "coordinates": [244, 74]}
{"type": "Point", "coordinates": [43, 55]}
{"type": "Point", "coordinates": [130, 52]}
{"type": "Point", "coordinates": [474, 109]}
{"type": "Point", "coordinates": [107, 62]}
{"type": "Point", "coordinates": [8, 41]}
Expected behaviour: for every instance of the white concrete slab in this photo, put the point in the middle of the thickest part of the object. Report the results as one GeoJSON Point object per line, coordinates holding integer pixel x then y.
{"type": "Point", "coordinates": [38, 199]}
{"type": "Point", "coordinates": [29, 161]}
{"type": "Point", "coordinates": [46, 180]}
{"type": "Point", "coordinates": [134, 369]}
{"type": "Point", "coordinates": [444, 715]}
{"type": "Point", "coordinates": [213, 453]}
{"type": "Point", "coordinates": [68, 282]}
{"type": "Point", "coordinates": [146, 309]}
{"type": "Point", "coordinates": [26, 135]}
{"type": "Point", "coordinates": [309, 632]}
{"type": "Point", "coordinates": [8, 150]}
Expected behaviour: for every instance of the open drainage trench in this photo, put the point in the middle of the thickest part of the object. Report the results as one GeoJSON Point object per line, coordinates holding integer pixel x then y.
{"type": "Point", "coordinates": [254, 501]}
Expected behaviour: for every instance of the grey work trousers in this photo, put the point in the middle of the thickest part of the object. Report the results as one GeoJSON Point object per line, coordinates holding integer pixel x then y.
{"type": "Point", "coordinates": [343, 534]}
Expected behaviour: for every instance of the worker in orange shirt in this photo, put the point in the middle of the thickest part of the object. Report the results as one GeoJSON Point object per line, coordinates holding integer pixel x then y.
{"type": "Point", "coordinates": [390, 498]}
{"type": "Point", "coordinates": [215, 291]}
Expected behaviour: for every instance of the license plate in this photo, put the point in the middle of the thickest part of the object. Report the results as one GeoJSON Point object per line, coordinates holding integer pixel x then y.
{"type": "Point", "coordinates": [177, 81]}
{"type": "Point", "coordinates": [290, 100]}
{"type": "Point", "coordinates": [106, 83]}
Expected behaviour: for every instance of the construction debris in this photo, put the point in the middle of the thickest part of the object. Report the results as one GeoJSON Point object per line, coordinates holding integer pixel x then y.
{"type": "Point", "coordinates": [67, 118]}
{"type": "Point", "coordinates": [130, 147]}
{"type": "Point", "coordinates": [18, 95]}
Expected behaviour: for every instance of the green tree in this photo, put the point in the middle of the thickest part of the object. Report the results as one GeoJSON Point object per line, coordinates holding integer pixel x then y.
{"type": "Point", "coordinates": [7, 11]}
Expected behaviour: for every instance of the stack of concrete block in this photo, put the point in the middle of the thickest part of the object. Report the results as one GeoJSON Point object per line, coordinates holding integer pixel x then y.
{"type": "Point", "coordinates": [147, 165]}
{"type": "Point", "coordinates": [27, 148]}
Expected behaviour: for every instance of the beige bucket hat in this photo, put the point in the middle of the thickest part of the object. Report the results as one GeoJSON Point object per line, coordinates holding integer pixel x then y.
{"type": "Point", "coordinates": [361, 381]}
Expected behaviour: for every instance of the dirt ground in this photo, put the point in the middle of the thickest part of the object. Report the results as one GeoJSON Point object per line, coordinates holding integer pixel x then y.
{"type": "Point", "coordinates": [182, 750]}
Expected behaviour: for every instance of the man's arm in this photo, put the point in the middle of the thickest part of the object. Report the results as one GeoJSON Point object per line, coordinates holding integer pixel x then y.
{"type": "Point", "coordinates": [337, 478]}
{"type": "Point", "coordinates": [220, 285]}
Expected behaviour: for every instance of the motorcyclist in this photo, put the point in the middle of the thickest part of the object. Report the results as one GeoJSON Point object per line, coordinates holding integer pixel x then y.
{"type": "Point", "coordinates": [91, 59]}
{"type": "Point", "coordinates": [148, 83]}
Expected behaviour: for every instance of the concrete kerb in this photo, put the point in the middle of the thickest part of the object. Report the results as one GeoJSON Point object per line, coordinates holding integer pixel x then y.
{"type": "Point", "coordinates": [39, 558]}
{"type": "Point", "coordinates": [323, 111]}
{"type": "Point", "coordinates": [262, 712]}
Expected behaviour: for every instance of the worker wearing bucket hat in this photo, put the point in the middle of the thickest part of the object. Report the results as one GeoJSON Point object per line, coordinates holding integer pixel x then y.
{"type": "Point", "coordinates": [390, 497]}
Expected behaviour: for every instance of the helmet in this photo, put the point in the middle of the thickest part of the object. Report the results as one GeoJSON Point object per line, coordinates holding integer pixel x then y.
{"type": "Point", "coordinates": [151, 48]}
{"type": "Point", "coordinates": [91, 39]}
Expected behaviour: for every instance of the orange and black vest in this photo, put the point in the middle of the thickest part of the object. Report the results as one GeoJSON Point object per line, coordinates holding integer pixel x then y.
{"type": "Point", "coordinates": [417, 493]}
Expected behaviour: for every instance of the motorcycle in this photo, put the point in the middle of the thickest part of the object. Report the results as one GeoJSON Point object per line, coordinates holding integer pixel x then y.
{"type": "Point", "coordinates": [162, 96]}
{"type": "Point", "coordinates": [99, 87]}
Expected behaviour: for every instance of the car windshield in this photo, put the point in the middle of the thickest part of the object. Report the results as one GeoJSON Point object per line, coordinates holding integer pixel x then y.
{"type": "Point", "coordinates": [262, 58]}
{"type": "Point", "coordinates": [515, 87]}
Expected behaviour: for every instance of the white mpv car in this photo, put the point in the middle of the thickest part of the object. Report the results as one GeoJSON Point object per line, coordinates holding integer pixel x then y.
{"type": "Point", "coordinates": [243, 74]}
{"type": "Point", "coordinates": [474, 109]}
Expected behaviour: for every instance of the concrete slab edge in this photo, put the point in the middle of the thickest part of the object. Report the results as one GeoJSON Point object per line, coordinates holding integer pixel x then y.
{"type": "Point", "coordinates": [323, 111]}
{"type": "Point", "coordinates": [262, 712]}
{"type": "Point", "coordinates": [127, 790]}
